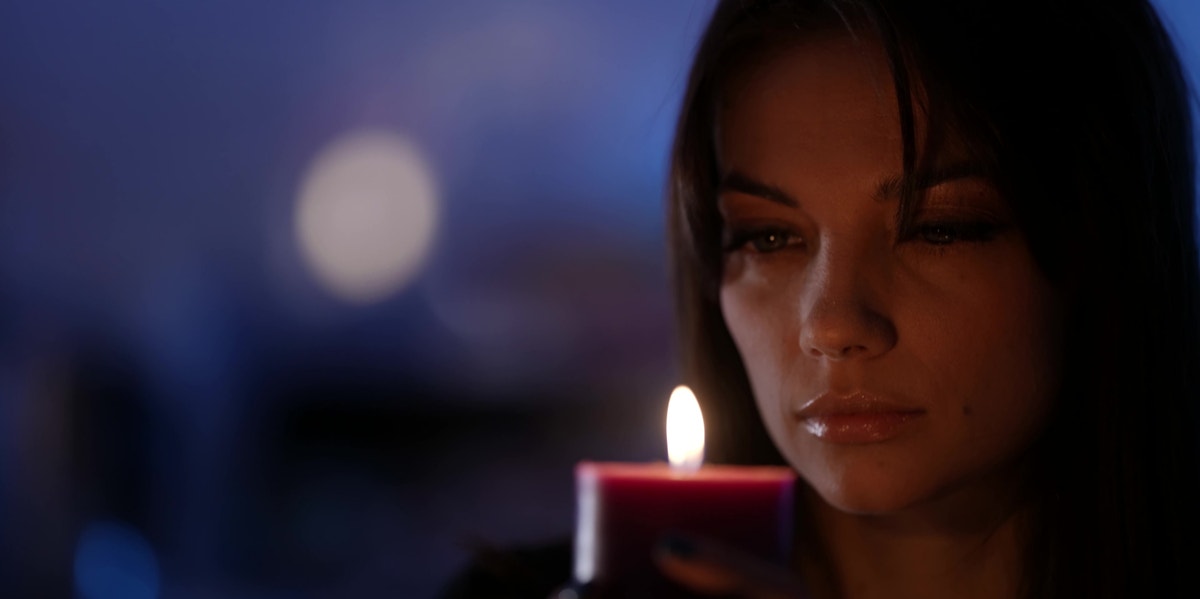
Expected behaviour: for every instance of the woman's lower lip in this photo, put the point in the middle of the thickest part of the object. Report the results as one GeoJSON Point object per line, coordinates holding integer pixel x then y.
{"type": "Point", "coordinates": [862, 427]}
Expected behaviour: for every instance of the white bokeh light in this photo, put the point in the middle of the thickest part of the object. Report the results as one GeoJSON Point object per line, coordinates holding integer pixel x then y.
{"type": "Point", "coordinates": [366, 214]}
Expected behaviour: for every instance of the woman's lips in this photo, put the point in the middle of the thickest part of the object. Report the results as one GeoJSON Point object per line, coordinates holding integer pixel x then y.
{"type": "Point", "coordinates": [871, 427]}
{"type": "Point", "coordinates": [856, 418]}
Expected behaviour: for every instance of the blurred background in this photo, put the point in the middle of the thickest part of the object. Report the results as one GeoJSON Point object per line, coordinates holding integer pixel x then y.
{"type": "Point", "coordinates": [307, 299]}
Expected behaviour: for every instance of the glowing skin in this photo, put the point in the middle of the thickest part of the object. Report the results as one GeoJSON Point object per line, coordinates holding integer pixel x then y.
{"type": "Point", "coordinates": [942, 349]}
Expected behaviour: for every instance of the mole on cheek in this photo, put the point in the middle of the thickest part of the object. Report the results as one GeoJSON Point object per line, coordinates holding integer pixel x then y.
{"type": "Point", "coordinates": [966, 410]}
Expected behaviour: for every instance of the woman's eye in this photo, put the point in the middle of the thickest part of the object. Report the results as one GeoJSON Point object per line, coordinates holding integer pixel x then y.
{"type": "Point", "coordinates": [761, 241]}
{"type": "Point", "coordinates": [946, 233]}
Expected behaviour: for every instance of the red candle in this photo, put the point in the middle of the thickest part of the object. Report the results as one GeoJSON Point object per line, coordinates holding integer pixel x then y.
{"type": "Point", "coordinates": [624, 510]}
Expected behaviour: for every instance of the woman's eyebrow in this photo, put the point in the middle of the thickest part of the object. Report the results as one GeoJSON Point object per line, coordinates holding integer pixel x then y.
{"type": "Point", "coordinates": [889, 188]}
{"type": "Point", "coordinates": [742, 183]}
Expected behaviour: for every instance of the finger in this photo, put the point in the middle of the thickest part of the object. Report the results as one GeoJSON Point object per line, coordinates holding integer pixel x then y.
{"type": "Point", "coordinates": [711, 568]}
{"type": "Point", "coordinates": [679, 559]}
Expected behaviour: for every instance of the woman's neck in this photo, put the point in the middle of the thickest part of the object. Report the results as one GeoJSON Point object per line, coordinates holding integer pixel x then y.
{"type": "Point", "coordinates": [965, 545]}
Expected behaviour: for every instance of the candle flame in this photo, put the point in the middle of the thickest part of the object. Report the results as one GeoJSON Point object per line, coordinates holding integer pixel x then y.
{"type": "Point", "coordinates": [685, 431]}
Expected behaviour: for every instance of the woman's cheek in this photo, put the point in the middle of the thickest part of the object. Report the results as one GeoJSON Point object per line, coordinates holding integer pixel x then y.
{"type": "Point", "coordinates": [998, 352]}
{"type": "Point", "coordinates": [752, 317]}
{"type": "Point", "coordinates": [758, 297]}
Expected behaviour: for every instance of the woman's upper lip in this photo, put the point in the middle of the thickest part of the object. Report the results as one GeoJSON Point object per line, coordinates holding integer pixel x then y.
{"type": "Point", "coordinates": [858, 402]}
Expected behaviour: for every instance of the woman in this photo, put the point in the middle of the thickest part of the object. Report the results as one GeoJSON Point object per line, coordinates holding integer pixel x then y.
{"type": "Point", "coordinates": [939, 256]}
{"type": "Point", "coordinates": [945, 253]}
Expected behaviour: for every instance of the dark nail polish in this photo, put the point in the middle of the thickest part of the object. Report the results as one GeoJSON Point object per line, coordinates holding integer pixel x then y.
{"type": "Point", "coordinates": [678, 546]}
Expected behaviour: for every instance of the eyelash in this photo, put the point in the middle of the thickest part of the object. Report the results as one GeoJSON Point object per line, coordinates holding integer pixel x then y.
{"type": "Point", "coordinates": [961, 231]}
{"type": "Point", "coordinates": [737, 239]}
{"type": "Point", "coordinates": [778, 238]}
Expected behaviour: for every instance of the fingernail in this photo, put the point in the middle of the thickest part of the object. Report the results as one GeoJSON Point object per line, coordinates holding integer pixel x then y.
{"type": "Point", "coordinates": [678, 546]}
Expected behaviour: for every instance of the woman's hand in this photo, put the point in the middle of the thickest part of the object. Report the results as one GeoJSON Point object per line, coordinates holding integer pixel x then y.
{"type": "Point", "coordinates": [712, 569]}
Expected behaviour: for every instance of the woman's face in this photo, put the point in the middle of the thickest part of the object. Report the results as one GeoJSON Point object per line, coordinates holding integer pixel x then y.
{"type": "Point", "coordinates": [890, 372]}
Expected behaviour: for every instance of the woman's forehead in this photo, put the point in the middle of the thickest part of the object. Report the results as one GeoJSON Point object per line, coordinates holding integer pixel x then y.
{"type": "Point", "coordinates": [812, 57]}
{"type": "Point", "coordinates": [825, 89]}
{"type": "Point", "coordinates": [830, 92]}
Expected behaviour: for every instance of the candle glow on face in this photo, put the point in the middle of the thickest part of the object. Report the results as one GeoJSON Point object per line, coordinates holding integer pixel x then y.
{"type": "Point", "coordinates": [685, 431]}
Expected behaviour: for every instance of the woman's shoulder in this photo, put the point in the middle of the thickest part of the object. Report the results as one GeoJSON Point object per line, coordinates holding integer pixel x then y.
{"type": "Point", "coordinates": [517, 572]}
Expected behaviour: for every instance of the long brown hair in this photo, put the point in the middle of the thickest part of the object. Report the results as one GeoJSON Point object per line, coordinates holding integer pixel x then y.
{"type": "Point", "coordinates": [1079, 113]}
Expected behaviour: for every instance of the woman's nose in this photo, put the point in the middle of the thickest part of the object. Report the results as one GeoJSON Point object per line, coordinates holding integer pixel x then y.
{"type": "Point", "coordinates": [842, 314]}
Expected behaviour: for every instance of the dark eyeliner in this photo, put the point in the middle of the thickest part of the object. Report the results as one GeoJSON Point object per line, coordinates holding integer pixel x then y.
{"type": "Point", "coordinates": [736, 238]}
{"type": "Point", "coordinates": [959, 231]}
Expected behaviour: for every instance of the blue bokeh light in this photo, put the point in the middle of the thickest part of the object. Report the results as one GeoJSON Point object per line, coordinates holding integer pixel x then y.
{"type": "Point", "coordinates": [114, 561]}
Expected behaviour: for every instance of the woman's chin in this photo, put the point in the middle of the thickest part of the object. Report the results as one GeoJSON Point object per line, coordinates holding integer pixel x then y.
{"type": "Point", "coordinates": [863, 505]}
{"type": "Point", "coordinates": [868, 497]}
